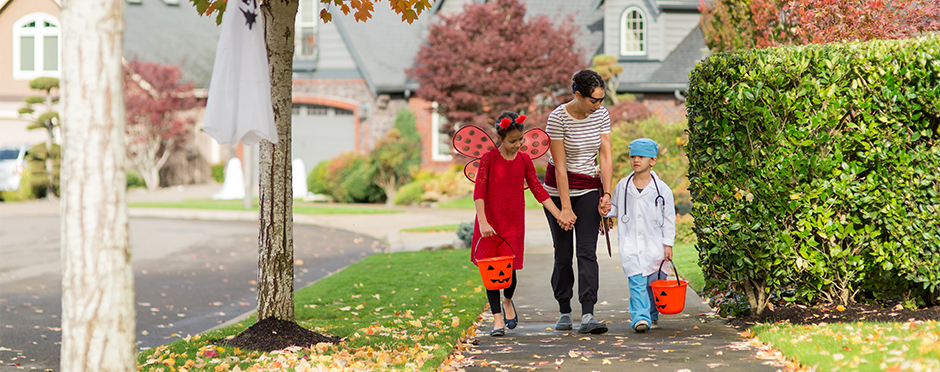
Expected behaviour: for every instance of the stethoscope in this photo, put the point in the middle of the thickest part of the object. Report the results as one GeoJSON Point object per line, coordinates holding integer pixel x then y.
{"type": "Point", "coordinates": [660, 201]}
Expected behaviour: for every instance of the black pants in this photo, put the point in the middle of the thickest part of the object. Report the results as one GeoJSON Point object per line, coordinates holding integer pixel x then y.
{"type": "Point", "coordinates": [493, 295]}
{"type": "Point", "coordinates": [585, 234]}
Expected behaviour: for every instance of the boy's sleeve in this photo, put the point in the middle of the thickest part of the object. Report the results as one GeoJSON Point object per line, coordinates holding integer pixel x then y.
{"type": "Point", "coordinates": [669, 220]}
{"type": "Point", "coordinates": [616, 199]}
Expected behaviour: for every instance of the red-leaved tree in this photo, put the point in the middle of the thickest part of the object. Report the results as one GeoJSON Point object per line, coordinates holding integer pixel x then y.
{"type": "Point", "coordinates": [738, 24]}
{"type": "Point", "coordinates": [156, 113]}
{"type": "Point", "coordinates": [492, 58]}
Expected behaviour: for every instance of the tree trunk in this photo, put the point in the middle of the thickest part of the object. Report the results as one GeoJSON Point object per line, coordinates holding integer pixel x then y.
{"type": "Point", "coordinates": [97, 280]}
{"type": "Point", "coordinates": [756, 296]}
{"type": "Point", "coordinates": [276, 235]}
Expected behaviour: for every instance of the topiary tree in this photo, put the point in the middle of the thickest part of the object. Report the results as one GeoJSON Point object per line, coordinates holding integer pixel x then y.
{"type": "Point", "coordinates": [606, 66]}
{"type": "Point", "coordinates": [47, 119]}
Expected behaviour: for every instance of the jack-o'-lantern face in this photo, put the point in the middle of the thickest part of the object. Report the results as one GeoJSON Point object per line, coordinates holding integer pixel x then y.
{"type": "Point", "coordinates": [499, 274]}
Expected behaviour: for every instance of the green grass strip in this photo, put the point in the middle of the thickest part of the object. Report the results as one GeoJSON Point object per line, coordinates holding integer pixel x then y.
{"type": "Point", "coordinates": [435, 228]}
{"type": "Point", "coordinates": [908, 346]}
{"type": "Point", "coordinates": [398, 311]}
{"type": "Point", "coordinates": [236, 205]}
{"type": "Point", "coordinates": [685, 257]}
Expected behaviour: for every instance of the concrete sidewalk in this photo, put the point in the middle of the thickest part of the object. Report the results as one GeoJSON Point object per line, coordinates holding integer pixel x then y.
{"type": "Point", "coordinates": [693, 340]}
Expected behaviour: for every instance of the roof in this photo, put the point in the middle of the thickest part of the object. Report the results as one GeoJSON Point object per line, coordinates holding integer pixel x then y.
{"type": "Point", "coordinates": [384, 47]}
{"type": "Point", "coordinates": [172, 34]}
{"type": "Point", "coordinates": [667, 75]}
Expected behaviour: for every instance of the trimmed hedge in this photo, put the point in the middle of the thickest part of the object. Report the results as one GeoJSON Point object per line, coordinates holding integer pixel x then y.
{"type": "Point", "coordinates": [814, 171]}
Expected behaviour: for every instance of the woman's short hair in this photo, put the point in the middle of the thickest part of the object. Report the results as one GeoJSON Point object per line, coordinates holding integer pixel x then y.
{"type": "Point", "coordinates": [585, 81]}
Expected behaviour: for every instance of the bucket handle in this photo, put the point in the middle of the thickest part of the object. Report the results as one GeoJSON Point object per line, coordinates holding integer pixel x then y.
{"type": "Point", "coordinates": [472, 249]}
{"type": "Point", "coordinates": [678, 283]}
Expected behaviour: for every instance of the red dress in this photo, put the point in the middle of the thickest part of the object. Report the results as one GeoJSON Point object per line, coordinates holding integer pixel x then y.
{"type": "Point", "coordinates": [501, 185]}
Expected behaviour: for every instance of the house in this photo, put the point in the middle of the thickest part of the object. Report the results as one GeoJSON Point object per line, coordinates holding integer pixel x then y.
{"type": "Point", "coordinates": [29, 48]}
{"type": "Point", "coordinates": [361, 65]}
{"type": "Point", "coordinates": [349, 77]}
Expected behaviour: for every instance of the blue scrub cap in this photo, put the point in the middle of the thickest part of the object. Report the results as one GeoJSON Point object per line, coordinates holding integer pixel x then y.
{"type": "Point", "coordinates": [644, 147]}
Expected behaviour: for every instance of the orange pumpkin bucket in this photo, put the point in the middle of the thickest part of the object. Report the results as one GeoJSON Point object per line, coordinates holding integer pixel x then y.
{"type": "Point", "coordinates": [496, 271]}
{"type": "Point", "coordinates": [669, 294]}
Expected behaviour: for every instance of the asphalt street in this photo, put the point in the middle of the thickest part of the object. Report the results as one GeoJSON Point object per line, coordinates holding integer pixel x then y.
{"type": "Point", "coordinates": [189, 275]}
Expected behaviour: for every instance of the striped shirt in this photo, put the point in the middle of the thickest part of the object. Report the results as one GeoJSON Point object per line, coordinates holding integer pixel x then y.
{"type": "Point", "coordinates": [582, 141]}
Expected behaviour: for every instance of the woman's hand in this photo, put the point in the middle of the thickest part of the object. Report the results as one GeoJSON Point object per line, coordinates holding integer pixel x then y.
{"type": "Point", "coordinates": [486, 230]}
{"type": "Point", "coordinates": [669, 252]}
{"type": "Point", "coordinates": [567, 219]}
{"type": "Point", "coordinates": [603, 206]}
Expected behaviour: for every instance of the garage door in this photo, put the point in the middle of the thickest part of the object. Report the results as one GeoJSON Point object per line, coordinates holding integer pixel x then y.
{"type": "Point", "coordinates": [321, 133]}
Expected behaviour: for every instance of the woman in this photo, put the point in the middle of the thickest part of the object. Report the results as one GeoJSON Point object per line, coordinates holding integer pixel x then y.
{"type": "Point", "coordinates": [580, 139]}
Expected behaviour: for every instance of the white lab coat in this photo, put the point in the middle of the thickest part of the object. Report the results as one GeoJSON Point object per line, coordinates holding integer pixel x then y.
{"type": "Point", "coordinates": [642, 241]}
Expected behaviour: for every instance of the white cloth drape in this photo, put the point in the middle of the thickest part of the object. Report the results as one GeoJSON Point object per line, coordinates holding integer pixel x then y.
{"type": "Point", "coordinates": [239, 106]}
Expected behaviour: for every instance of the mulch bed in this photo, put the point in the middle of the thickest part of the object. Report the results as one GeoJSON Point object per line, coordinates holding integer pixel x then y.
{"type": "Point", "coordinates": [799, 314]}
{"type": "Point", "coordinates": [273, 334]}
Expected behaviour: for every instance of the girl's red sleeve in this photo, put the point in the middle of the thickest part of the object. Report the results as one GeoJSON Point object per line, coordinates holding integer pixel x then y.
{"type": "Point", "coordinates": [532, 179]}
{"type": "Point", "coordinates": [479, 187]}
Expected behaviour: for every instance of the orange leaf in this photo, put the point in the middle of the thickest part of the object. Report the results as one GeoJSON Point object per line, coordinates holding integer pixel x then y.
{"type": "Point", "coordinates": [325, 16]}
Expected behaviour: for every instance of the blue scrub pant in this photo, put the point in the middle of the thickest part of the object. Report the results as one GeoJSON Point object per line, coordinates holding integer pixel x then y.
{"type": "Point", "coordinates": [642, 305]}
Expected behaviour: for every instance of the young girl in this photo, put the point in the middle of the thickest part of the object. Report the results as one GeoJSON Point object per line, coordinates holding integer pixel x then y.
{"type": "Point", "coordinates": [500, 205]}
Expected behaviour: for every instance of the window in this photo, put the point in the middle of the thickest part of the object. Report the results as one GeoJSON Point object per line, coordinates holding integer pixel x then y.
{"type": "Point", "coordinates": [440, 142]}
{"type": "Point", "coordinates": [36, 47]}
{"type": "Point", "coordinates": [632, 33]}
{"type": "Point", "coordinates": [305, 35]}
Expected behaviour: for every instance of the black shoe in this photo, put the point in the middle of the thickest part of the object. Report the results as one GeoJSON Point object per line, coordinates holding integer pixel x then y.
{"type": "Point", "coordinates": [512, 323]}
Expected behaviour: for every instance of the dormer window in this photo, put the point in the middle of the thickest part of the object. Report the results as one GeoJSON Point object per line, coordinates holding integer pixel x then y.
{"type": "Point", "coordinates": [305, 34]}
{"type": "Point", "coordinates": [633, 32]}
{"type": "Point", "coordinates": [36, 47]}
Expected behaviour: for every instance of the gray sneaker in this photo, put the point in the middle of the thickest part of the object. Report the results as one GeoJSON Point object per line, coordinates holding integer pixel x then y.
{"type": "Point", "coordinates": [641, 326]}
{"type": "Point", "coordinates": [564, 323]}
{"type": "Point", "coordinates": [590, 325]}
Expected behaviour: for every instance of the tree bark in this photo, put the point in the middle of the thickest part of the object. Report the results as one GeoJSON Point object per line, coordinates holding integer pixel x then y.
{"type": "Point", "coordinates": [97, 280]}
{"type": "Point", "coordinates": [276, 235]}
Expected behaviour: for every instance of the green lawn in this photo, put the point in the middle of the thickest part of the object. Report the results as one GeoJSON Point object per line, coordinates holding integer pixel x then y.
{"type": "Point", "coordinates": [907, 346]}
{"type": "Point", "coordinates": [399, 311]}
{"type": "Point", "coordinates": [299, 207]}
{"type": "Point", "coordinates": [685, 257]}
{"type": "Point", "coordinates": [467, 203]}
{"type": "Point", "coordinates": [435, 228]}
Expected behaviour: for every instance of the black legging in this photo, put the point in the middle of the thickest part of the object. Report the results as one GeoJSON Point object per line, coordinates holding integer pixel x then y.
{"type": "Point", "coordinates": [585, 232]}
{"type": "Point", "coordinates": [493, 295]}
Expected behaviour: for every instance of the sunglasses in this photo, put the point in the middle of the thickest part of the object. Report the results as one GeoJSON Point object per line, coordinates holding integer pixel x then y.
{"type": "Point", "coordinates": [595, 100]}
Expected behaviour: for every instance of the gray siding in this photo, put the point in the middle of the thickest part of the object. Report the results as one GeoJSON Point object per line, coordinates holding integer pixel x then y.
{"type": "Point", "coordinates": [676, 27]}
{"type": "Point", "coordinates": [334, 54]}
{"type": "Point", "coordinates": [654, 29]}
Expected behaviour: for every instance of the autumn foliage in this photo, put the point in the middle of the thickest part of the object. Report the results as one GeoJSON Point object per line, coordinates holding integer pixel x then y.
{"type": "Point", "coordinates": [493, 58]}
{"type": "Point", "coordinates": [155, 104]}
{"type": "Point", "coordinates": [735, 24]}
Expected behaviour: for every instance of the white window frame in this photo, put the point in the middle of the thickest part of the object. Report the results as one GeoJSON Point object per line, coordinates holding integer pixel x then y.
{"type": "Point", "coordinates": [437, 152]}
{"type": "Point", "coordinates": [306, 18]}
{"type": "Point", "coordinates": [633, 32]}
{"type": "Point", "coordinates": [39, 33]}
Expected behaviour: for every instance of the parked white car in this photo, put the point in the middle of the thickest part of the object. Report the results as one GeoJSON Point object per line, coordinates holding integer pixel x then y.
{"type": "Point", "coordinates": [12, 164]}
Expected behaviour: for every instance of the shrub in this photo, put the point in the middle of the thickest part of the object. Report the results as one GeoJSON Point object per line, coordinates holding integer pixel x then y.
{"type": "Point", "coordinates": [410, 193]}
{"type": "Point", "coordinates": [218, 172]}
{"type": "Point", "coordinates": [134, 180]}
{"type": "Point", "coordinates": [450, 183]}
{"type": "Point", "coordinates": [26, 191]}
{"type": "Point", "coordinates": [465, 233]}
{"type": "Point", "coordinates": [346, 178]}
{"type": "Point", "coordinates": [814, 169]}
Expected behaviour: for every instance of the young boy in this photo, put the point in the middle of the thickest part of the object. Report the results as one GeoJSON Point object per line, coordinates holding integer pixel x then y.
{"type": "Point", "coordinates": [646, 214]}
